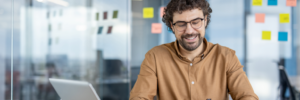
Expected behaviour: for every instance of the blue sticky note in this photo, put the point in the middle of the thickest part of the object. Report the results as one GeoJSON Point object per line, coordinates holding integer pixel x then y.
{"type": "Point", "coordinates": [272, 2]}
{"type": "Point", "coordinates": [282, 36]}
{"type": "Point", "coordinates": [100, 30]}
{"type": "Point", "coordinates": [170, 30]}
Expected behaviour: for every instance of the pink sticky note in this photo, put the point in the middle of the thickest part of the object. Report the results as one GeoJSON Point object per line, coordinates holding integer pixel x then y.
{"type": "Point", "coordinates": [156, 28]}
{"type": "Point", "coordinates": [162, 11]}
{"type": "Point", "coordinates": [109, 30]}
{"type": "Point", "coordinates": [259, 18]}
{"type": "Point", "coordinates": [292, 3]}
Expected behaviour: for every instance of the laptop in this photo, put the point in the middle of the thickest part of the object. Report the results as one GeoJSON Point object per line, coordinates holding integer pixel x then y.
{"type": "Point", "coordinates": [74, 90]}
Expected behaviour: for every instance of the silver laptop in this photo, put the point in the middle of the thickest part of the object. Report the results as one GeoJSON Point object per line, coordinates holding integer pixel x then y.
{"type": "Point", "coordinates": [74, 90]}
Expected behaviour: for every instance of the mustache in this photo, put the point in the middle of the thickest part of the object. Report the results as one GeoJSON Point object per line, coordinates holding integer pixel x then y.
{"type": "Point", "coordinates": [190, 35]}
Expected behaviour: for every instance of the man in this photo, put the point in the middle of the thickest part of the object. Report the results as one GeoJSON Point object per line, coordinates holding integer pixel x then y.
{"type": "Point", "coordinates": [191, 68]}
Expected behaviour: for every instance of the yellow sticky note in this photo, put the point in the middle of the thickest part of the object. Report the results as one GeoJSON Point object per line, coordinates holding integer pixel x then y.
{"type": "Point", "coordinates": [284, 18]}
{"type": "Point", "coordinates": [257, 2]}
{"type": "Point", "coordinates": [148, 12]}
{"type": "Point", "coordinates": [156, 28]}
{"type": "Point", "coordinates": [266, 35]}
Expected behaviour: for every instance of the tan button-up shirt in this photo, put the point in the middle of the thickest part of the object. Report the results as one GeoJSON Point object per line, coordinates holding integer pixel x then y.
{"type": "Point", "coordinates": [213, 75]}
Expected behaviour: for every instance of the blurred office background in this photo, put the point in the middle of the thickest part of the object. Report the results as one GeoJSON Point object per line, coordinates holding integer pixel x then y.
{"type": "Point", "coordinates": [104, 42]}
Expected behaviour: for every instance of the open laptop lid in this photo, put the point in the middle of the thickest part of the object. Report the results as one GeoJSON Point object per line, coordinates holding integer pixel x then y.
{"type": "Point", "coordinates": [74, 90]}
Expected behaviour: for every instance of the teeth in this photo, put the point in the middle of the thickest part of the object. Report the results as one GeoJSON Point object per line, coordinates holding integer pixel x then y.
{"type": "Point", "coordinates": [191, 38]}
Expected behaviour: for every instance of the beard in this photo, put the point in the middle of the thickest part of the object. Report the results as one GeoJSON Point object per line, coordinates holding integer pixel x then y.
{"type": "Point", "coordinates": [190, 46]}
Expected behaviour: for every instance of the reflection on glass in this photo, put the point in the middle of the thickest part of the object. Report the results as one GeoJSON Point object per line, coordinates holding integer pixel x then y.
{"type": "Point", "coordinates": [59, 39]}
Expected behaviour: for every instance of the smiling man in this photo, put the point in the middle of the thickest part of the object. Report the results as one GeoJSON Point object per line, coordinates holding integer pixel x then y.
{"type": "Point", "coordinates": [191, 68]}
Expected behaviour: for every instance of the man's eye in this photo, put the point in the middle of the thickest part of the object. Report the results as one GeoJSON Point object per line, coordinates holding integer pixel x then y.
{"type": "Point", "coordinates": [195, 22]}
{"type": "Point", "coordinates": [181, 24]}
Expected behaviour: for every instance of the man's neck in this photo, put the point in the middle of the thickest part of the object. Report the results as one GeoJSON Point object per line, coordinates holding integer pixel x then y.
{"type": "Point", "coordinates": [192, 54]}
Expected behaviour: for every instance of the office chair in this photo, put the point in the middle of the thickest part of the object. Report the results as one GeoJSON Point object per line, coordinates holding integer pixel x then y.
{"type": "Point", "coordinates": [284, 84]}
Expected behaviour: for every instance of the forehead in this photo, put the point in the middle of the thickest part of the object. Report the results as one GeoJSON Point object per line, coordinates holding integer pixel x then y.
{"type": "Point", "coordinates": [188, 15]}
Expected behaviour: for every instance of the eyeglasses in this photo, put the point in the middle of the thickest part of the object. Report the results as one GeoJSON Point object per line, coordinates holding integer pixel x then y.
{"type": "Point", "coordinates": [181, 25]}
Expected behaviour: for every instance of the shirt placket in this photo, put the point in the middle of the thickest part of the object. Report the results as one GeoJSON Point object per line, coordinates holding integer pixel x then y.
{"type": "Point", "coordinates": [192, 81]}
{"type": "Point", "coordinates": [192, 74]}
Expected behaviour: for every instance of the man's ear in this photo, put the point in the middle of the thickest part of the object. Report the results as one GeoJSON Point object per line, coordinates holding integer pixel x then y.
{"type": "Point", "coordinates": [205, 20]}
{"type": "Point", "coordinates": [171, 26]}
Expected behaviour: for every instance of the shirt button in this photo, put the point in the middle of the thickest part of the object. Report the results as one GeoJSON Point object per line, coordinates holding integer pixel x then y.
{"type": "Point", "coordinates": [191, 64]}
{"type": "Point", "coordinates": [193, 82]}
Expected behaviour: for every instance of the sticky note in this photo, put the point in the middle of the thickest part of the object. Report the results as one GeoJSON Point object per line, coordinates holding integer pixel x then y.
{"type": "Point", "coordinates": [148, 12]}
{"type": "Point", "coordinates": [260, 18]}
{"type": "Point", "coordinates": [162, 11]}
{"type": "Point", "coordinates": [156, 28]}
{"type": "Point", "coordinates": [257, 2]}
{"type": "Point", "coordinates": [100, 30]}
{"type": "Point", "coordinates": [266, 35]}
{"type": "Point", "coordinates": [170, 30]}
{"type": "Point", "coordinates": [284, 18]}
{"type": "Point", "coordinates": [97, 16]}
{"type": "Point", "coordinates": [292, 3]}
{"type": "Point", "coordinates": [109, 29]}
{"type": "Point", "coordinates": [282, 36]}
{"type": "Point", "coordinates": [49, 27]}
{"type": "Point", "coordinates": [48, 14]}
{"type": "Point", "coordinates": [105, 15]}
{"type": "Point", "coordinates": [272, 2]}
{"type": "Point", "coordinates": [115, 14]}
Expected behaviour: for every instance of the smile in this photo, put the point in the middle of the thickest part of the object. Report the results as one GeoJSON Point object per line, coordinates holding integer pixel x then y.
{"type": "Point", "coordinates": [191, 39]}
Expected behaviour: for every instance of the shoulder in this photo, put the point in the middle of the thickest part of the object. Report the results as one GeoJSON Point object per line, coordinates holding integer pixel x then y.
{"type": "Point", "coordinates": [224, 50]}
{"type": "Point", "coordinates": [162, 49]}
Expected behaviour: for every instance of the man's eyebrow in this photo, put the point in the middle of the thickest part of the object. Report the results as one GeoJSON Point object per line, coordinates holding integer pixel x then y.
{"type": "Point", "coordinates": [191, 20]}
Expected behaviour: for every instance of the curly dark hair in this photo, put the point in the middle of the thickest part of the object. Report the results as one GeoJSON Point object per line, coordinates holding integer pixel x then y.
{"type": "Point", "coordinates": [183, 5]}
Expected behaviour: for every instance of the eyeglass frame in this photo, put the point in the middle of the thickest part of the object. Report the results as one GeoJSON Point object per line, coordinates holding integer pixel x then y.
{"type": "Point", "coordinates": [202, 19]}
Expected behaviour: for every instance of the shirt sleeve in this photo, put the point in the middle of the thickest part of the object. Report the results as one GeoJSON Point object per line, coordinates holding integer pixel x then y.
{"type": "Point", "coordinates": [145, 87]}
{"type": "Point", "coordinates": [238, 84]}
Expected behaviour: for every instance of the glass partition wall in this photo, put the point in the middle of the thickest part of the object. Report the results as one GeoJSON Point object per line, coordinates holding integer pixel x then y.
{"type": "Point", "coordinates": [86, 40]}
{"type": "Point", "coordinates": [8, 55]}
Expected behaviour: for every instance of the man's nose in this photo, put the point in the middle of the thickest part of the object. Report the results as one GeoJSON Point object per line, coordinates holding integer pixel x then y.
{"type": "Point", "coordinates": [189, 29]}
